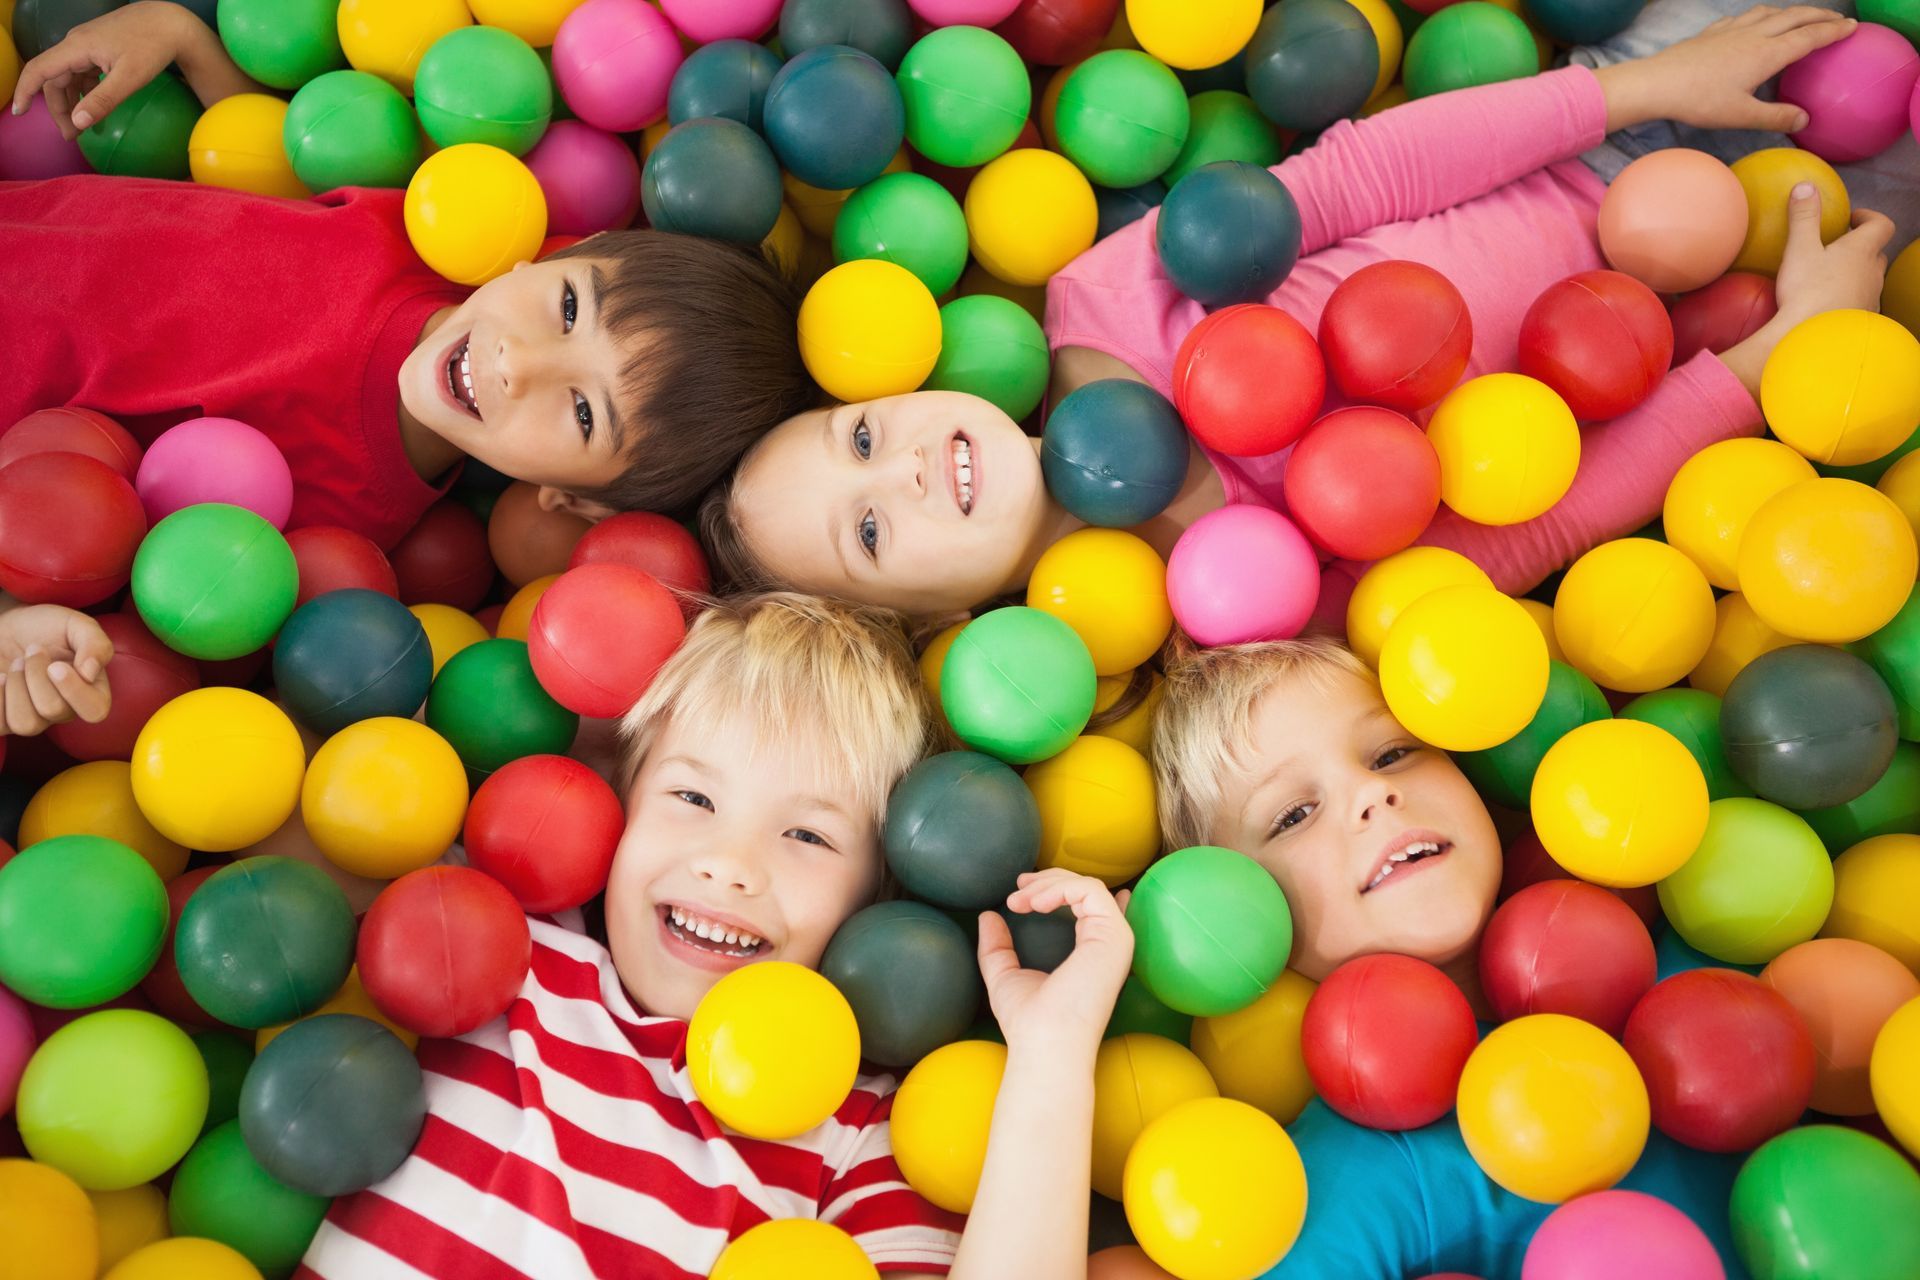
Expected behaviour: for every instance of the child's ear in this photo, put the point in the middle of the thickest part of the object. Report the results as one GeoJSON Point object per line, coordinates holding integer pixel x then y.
{"type": "Point", "coordinates": [552, 499]}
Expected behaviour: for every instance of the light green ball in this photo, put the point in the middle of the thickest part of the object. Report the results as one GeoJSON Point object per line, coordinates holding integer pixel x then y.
{"type": "Point", "coordinates": [482, 84]}
{"type": "Point", "coordinates": [1760, 882]}
{"type": "Point", "coordinates": [1018, 684]}
{"type": "Point", "coordinates": [1211, 931]}
{"type": "Point", "coordinates": [1122, 117]}
{"type": "Point", "coordinates": [966, 93]}
{"type": "Point", "coordinates": [991, 347]}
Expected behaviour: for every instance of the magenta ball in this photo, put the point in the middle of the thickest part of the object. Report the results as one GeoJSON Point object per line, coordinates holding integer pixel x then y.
{"type": "Point", "coordinates": [1242, 573]}
{"type": "Point", "coordinates": [1857, 93]}
{"type": "Point", "coordinates": [1610, 1234]}
{"type": "Point", "coordinates": [705, 21]}
{"type": "Point", "coordinates": [31, 146]}
{"type": "Point", "coordinates": [964, 13]}
{"type": "Point", "coordinates": [590, 177]}
{"type": "Point", "coordinates": [215, 460]}
{"type": "Point", "coordinates": [16, 1045]}
{"type": "Point", "coordinates": [613, 61]}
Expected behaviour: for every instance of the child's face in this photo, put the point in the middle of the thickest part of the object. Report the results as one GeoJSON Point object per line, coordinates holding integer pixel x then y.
{"type": "Point", "coordinates": [927, 503]}
{"type": "Point", "coordinates": [727, 829]}
{"type": "Point", "coordinates": [1329, 789]}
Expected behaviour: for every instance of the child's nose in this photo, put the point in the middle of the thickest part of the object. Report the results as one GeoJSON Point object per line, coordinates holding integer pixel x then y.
{"type": "Point", "coordinates": [523, 365]}
{"type": "Point", "coordinates": [912, 472]}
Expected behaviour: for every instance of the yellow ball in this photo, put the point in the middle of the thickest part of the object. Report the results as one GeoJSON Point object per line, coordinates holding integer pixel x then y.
{"type": "Point", "coordinates": [1385, 590]}
{"type": "Point", "coordinates": [1387, 35]}
{"type": "Point", "coordinates": [1191, 34]}
{"type": "Point", "coordinates": [1464, 668]}
{"type": "Point", "coordinates": [473, 212]}
{"type": "Point", "coordinates": [218, 769]}
{"type": "Point", "coordinates": [1893, 1073]}
{"type": "Point", "coordinates": [1135, 728]}
{"type": "Point", "coordinates": [128, 1220]}
{"type": "Point", "coordinates": [1620, 803]}
{"type": "Point", "coordinates": [1738, 638]}
{"type": "Point", "coordinates": [818, 208]}
{"type": "Point", "coordinates": [238, 143]}
{"type": "Point", "coordinates": [516, 620]}
{"type": "Point", "coordinates": [384, 797]}
{"type": "Point", "coordinates": [1716, 492]}
{"type": "Point", "coordinates": [1111, 588]}
{"type": "Point", "coordinates": [1097, 813]}
{"type": "Point", "coordinates": [1542, 615]}
{"type": "Point", "coordinates": [1214, 1190]}
{"type": "Point", "coordinates": [448, 630]}
{"type": "Point", "coordinates": [1901, 482]}
{"type": "Point", "coordinates": [772, 1050]}
{"type": "Point", "coordinates": [868, 329]}
{"type": "Point", "coordinates": [9, 63]}
{"type": "Point", "coordinates": [184, 1258]}
{"type": "Point", "coordinates": [389, 37]}
{"type": "Point", "coordinates": [934, 657]}
{"type": "Point", "coordinates": [96, 799]}
{"type": "Point", "coordinates": [1900, 295]}
{"type": "Point", "coordinates": [535, 21]}
{"type": "Point", "coordinates": [1828, 560]}
{"type": "Point", "coordinates": [1508, 448]}
{"type": "Point", "coordinates": [977, 280]}
{"type": "Point", "coordinates": [47, 1229]}
{"type": "Point", "coordinates": [782, 245]}
{"type": "Point", "coordinates": [1876, 897]}
{"type": "Point", "coordinates": [1394, 95]}
{"type": "Point", "coordinates": [351, 998]}
{"type": "Point", "coordinates": [1254, 1053]}
{"type": "Point", "coordinates": [1767, 177]}
{"type": "Point", "coordinates": [1030, 213]}
{"type": "Point", "coordinates": [794, 1249]}
{"type": "Point", "coordinates": [1844, 387]}
{"type": "Point", "coordinates": [1634, 615]}
{"type": "Point", "coordinates": [1137, 1078]}
{"type": "Point", "coordinates": [1552, 1107]}
{"type": "Point", "coordinates": [940, 1120]}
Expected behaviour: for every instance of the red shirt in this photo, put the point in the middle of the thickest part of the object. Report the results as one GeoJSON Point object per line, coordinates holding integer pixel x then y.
{"type": "Point", "coordinates": [156, 301]}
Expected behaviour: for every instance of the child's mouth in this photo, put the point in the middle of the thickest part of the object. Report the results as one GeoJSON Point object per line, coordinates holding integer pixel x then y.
{"type": "Point", "coordinates": [1404, 858]}
{"type": "Point", "coordinates": [960, 453]}
{"type": "Point", "coordinates": [460, 377]}
{"type": "Point", "coordinates": [707, 937]}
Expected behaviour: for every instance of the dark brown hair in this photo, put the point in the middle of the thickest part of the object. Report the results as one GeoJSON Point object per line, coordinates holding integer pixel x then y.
{"type": "Point", "coordinates": [734, 566]}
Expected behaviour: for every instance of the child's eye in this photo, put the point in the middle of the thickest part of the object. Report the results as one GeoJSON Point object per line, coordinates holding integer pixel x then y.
{"type": "Point", "coordinates": [809, 837]}
{"type": "Point", "coordinates": [569, 307]}
{"type": "Point", "coordinates": [1291, 818]}
{"type": "Point", "coordinates": [694, 798]}
{"type": "Point", "coordinates": [1392, 756]}
{"type": "Point", "coordinates": [869, 533]}
{"type": "Point", "coordinates": [862, 439]}
{"type": "Point", "coordinates": [583, 416]}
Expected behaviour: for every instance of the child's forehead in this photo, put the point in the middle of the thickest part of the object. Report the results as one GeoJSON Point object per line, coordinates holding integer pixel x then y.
{"type": "Point", "coordinates": [733, 743]}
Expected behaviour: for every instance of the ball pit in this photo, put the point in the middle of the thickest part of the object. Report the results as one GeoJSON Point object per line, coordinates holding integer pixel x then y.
{"type": "Point", "coordinates": [940, 1120]}
{"type": "Point", "coordinates": [1722, 315]}
{"type": "Point", "coordinates": [545, 827]}
{"type": "Point", "coordinates": [1312, 62]}
{"type": "Point", "coordinates": [1217, 267]}
{"type": "Point", "coordinates": [772, 1049]}
{"type": "Point", "coordinates": [1767, 177]}
{"type": "Point", "coordinates": [1855, 92]}
{"type": "Point", "coordinates": [614, 61]}
{"type": "Point", "coordinates": [1896, 1054]}
{"type": "Point", "coordinates": [1692, 716]}
{"type": "Point", "coordinates": [187, 554]}
{"type": "Point", "coordinates": [444, 559]}
{"type": "Point", "coordinates": [1136, 1080]}
{"type": "Point", "coordinates": [49, 1223]}
{"type": "Point", "coordinates": [728, 78]}
{"type": "Point", "coordinates": [1385, 1038]}
{"type": "Point", "coordinates": [282, 45]}
{"type": "Point", "coordinates": [834, 117]}
{"type": "Point", "coordinates": [1738, 638]}
{"type": "Point", "coordinates": [330, 558]}
{"type": "Point", "coordinates": [351, 655]}
{"type": "Point", "coordinates": [589, 177]}
{"type": "Point", "coordinates": [1097, 814]}
{"type": "Point", "coordinates": [712, 177]}
{"type": "Point", "coordinates": [966, 96]}
{"type": "Point", "coordinates": [599, 635]}
{"type": "Point", "coordinates": [1674, 220]}
{"type": "Point", "coordinates": [1464, 668]}
{"type": "Point", "coordinates": [129, 1219]}
{"type": "Point", "coordinates": [960, 828]}
{"type": "Point", "coordinates": [1121, 117]}
{"type": "Point", "coordinates": [1248, 380]}
{"type": "Point", "coordinates": [1758, 882]}
{"type": "Point", "coordinates": [71, 430]}
{"type": "Point", "coordinates": [1057, 33]}
{"type": "Point", "coordinates": [1018, 684]}
{"type": "Point", "coordinates": [1566, 947]}
{"type": "Point", "coordinates": [908, 973]}
{"type": "Point", "coordinates": [869, 329]}
{"type": "Point", "coordinates": [1827, 560]}
{"type": "Point", "coordinates": [1242, 573]}
{"type": "Point", "coordinates": [1215, 1188]}
{"type": "Point", "coordinates": [1224, 125]}
{"type": "Point", "coordinates": [1244, 931]}
{"type": "Point", "coordinates": [70, 525]}
{"type": "Point", "coordinates": [882, 29]}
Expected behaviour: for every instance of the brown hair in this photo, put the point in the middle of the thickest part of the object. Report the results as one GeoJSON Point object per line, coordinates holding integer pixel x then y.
{"type": "Point", "coordinates": [733, 564]}
{"type": "Point", "coordinates": [714, 358]}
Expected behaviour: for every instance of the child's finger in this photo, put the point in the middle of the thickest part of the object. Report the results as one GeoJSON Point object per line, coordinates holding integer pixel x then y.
{"type": "Point", "coordinates": [112, 90]}
{"type": "Point", "coordinates": [1795, 17]}
{"type": "Point", "coordinates": [996, 954]}
{"type": "Point", "coordinates": [90, 700]}
{"type": "Point", "coordinates": [21, 717]}
{"type": "Point", "coordinates": [46, 698]}
{"type": "Point", "coordinates": [1871, 231]}
{"type": "Point", "coordinates": [92, 650]}
{"type": "Point", "coordinates": [1803, 220]}
{"type": "Point", "coordinates": [55, 64]}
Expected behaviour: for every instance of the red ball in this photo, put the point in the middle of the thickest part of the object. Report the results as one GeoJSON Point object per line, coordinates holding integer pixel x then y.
{"type": "Point", "coordinates": [72, 430]}
{"type": "Point", "coordinates": [651, 543]}
{"type": "Point", "coordinates": [144, 676]}
{"type": "Point", "coordinates": [546, 828]}
{"type": "Point", "coordinates": [69, 525]}
{"type": "Point", "coordinates": [1565, 946]}
{"type": "Point", "coordinates": [1727, 1061]}
{"type": "Point", "coordinates": [1054, 33]}
{"type": "Point", "coordinates": [242, 672]}
{"type": "Point", "coordinates": [444, 559]}
{"type": "Point", "coordinates": [444, 950]}
{"type": "Point", "coordinates": [527, 540]}
{"type": "Point", "coordinates": [1248, 380]}
{"type": "Point", "coordinates": [1722, 315]}
{"type": "Point", "coordinates": [332, 559]}
{"type": "Point", "coordinates": [1528, 862]}
{"type": "Point", "coordinates": [1396, 334]}
{"type": "Point", "coordinates": [1385, 1039]}
{"type": "Point", "coordinates": [162, 986]}
{"type": "Point", "coordinates": [1601, 339]}
{"type": "Point", "coordinates": [554, 244]}
{"type": "Point", "coordinates": [489, 618]}
{"type": "Point", "coordinates": [1363, 483]}
{"type": "Point", "coordinates": [599, 634]}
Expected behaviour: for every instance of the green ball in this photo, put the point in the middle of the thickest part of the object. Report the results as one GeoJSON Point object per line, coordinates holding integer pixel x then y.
{"type": "Point", "coordinates": [966, 92]}
{"type": "Point", "coordinates": [1902, 15]}
{"type": "Point", "coordinates": [81, 921]}
{"type": "Point", "coordinates": [1122, 117]}
{"type": "Point", "coordinates": [1211, 930]}
{"type": "Point", "coordinates": [1890, 806]}
{"type": "Point", "coordinates": [1138, 1009]}
{"type": "Point", "coordinates": [487, 702]}
{"type": "Point", "coordinates": [282, 43]}
{"type": "Point", "coordinates": [214, 581]}
{"type": "Point", "coordinates": [1821, 1202]}
{"type": "Point", "coordinates": [909, 973]}
{"type": "Point", "coordinates": [146, 135]}
{"type": "Point", "coordinates": [1504, 774]}
{"type": "Point", "coordinates": [264, 940]}
{"type": "Point", "coordinates": [113, 1099]}
{"type": "Point", "coordinates": [227, 1057]}
{"type": "Point", "coordinates": [221, 1193]}
{"type": "Point", "coordinates": [1760, 882]}
{"type": "Point", "coordinates": [1894, 654]}
{"type": "Point", "coordinates": [991, 347]}
{"type": "Point", "coordinates": [1226, 126]}
{"type": "Point", "coordinates": [351, 129]}
{"type": "Point", "coordinates": [1018, 684]}
{"type": "Point", "coordinates": [482, 84]}
{"type": "Point", "coordinates": [1467, 44]}
{"type": "Point", "coordinates": [1693, 716]}
{"type": "Point", "coordinates": [907, 219]}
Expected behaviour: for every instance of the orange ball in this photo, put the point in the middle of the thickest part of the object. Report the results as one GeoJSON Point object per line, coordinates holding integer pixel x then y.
{"type": "Point", "coordinates": [528, 542]}
{"type": "Point", "coordinates": [1844, 991]}
{"type": "Point", "coordinates": [1125, 1262]}
{"type": "Point", "coordinates": [1674, 220]}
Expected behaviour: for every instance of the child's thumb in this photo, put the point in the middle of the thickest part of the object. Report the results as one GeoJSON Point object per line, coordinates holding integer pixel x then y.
{"type": "Point", "coordinates": [1803, 218]}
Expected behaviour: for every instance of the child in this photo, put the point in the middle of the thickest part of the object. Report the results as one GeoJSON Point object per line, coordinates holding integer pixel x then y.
{"type": "Point", "coordinates": [933, 502]}
{"type": "Point", "coordinates": [564, 1140]}
{"type": "Point", "coordinates": [624, 372]}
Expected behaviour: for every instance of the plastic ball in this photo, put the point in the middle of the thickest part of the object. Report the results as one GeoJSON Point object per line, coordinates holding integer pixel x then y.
{"type": "Point", "coordinates": [772, 1050]}
{"type": "Point", "coordinates": [1600, 339]}
{"type": "Point", "coordinates": [351, 998]}
{"type": "Point", "coordinates": [473, 211]}
{"type": "Point", "coordinates": [31, 146]}
{"type": "Point", "coordinates": [1634, 614]}
{"type": "Point", "coordinates": [1254, 1054]}
{"type": "Point", "coordinates": [654, 544]}
{"type": "Point", "coordinates": [147, 135]}
{"type": "Point", "coordinates": [1714, 495]}
{"type": "Point", "coordinates": [1577, 22]}
{"type": "Point", "coordinates": [1122, 117]}
{"type": "Point", "coordinates": [1827, 560]}
{"type": "Point", "coordinates": [909, 220]}
{"type": "Point", "coordinates": [834, 117]}
{"type": "Point", "coordinates": [17, 1041]}
{"type": "Point", "coordinates": [389, 40]}
{"type": "Point", "coordinates": [600, 634]}
{"type": "Point", "coordinates": [908, 973]}
{"type": "Point", "coordinates": [264, 940]}
{"type": "Point", "coordinates": [1843, 387]}
{"type": "Point", "coordinates": [1464, 668]}
{"type": "Point", "coordinates": [482, 84]}
{"type": "Point", "coordinates": [68, 949]}
{"type": "Point", "coordinates": [614, 62]}
{"type": "Point", "coordinates": [535, 21]}
{"type": "Point", "coordinates": [1898, 14]}
{"type": "Point", "coordinates": [1693, 717]}
{"type": "Point", "coordinates": [448, 631]}
{"type": "Point", "coordinates": [1224, 125]}
{"type": "Point", "coordinates": [1058, 33]}
{"type": "Point", "coordinates": [712, 177]}
{"type": "Point", "coordinates": [966, 96]}
{"type": "Point", "coordinates": [1312, 62]}
{"type": "Point", "coordinates": [214, 581]}
{"type": "Point", "coordinates": [489, 704]}
{"type": "Point", "coordinates": [1018, 684]}
{"type": "Point", "coordinates": [1799, 1200]}
{"type": "Point", "coordinates": [1211, 930]}
{"type": "Point", "coordinates": [1888, 807]}
{"type": "Point", "coordinates": [960, 828]}
{"type": "Point", "coordinates": [869, 329]}
{"type": "Point", "coordinates": [240, 143]}
{"type": "Point", "coordinates": [71, 430]}
{"type": "Point", "coordinates": [1465, 45]}
{"type": "Point", "coordinates": [221, 1193]}
{"type": "Point", "coordinates": [1217, 268]}
{"type": "Point", "coordinates": [330, 558]}
{"type": "Point", "coordinates": [1136, 1080]}
{"type": "Point", "coordinates": [880, 28]}
{"type": "Point", "coordinates": [1508, 448]}
{"type": "Point", "coordinates": [1563, 946]}
{"type": "Point", "coordinates": [444, 559]}
{"type": "Point", "coordinates": [1808, 727]}
{"type": "Point", "coordinates": [48, 1223]}
{"type": "Point", "coordinates": [793, 1249]}
{"type": "Point", "coordinates": [1396, 334]}
{"type": "Point", "coordinates": [183, 1257]}
{"type": "Point", "coordinates": [1387, 588]}
{"type": "Point", "coordinates": [940, 1120]}
{"type": "Point", "coordinates": [1759, 882]}
{"type": "Point", "coordinates": [1114, 452]}
{"type": "Point", "coordinates": [349, 656]}
{"type": "Point", "coordinates": [705, 22]}
{"type": "Point", "coordinates": [528, 542]}
{"type": "Point", "coordinates": [444, 950]}
{"type": "Point", "coordinates": [217, 769]}
{"type": "Point", "coordinates": [1029, 213]}
{"type": "Point", "coordinates": [1874, 883]}
{"type": "Point", "coordinates": [1191, 36]}
{"type": "Point", "coordinates": [1855, 92]}
{"type": "Point", "coordinates": [384, 796]}
{"type": "Point", "coordinates": [1363, 483]}
{"type": "Point", "coordinates": [1503, 773]}
{"type": "Point", "coordinates": [1900, 295]}
{"type": "Point", "coordinates": [70, 526]}
{"type": "Point", "coordinates": [128, 1219]}
{"type": "Point", "coordinates": [1385, 1038]}
{"type": "Point", "coordinates": [1673, 219]}
{"type": "Point", "coordinates": [978, 13]}
{"type": "Point", "coordinates": [1896, 1055]}
{"type": "Point", "coordinates": [589, 177]}
{"type": "Point", "coordinates": [1892, 652]}
{"type": "Point", "coordinates": [993, 348]}
{"type": "Point", "coordinates": [282, 45]}
{"type": "Point", "coordinates": [1096, 806]}
{"type": "Point", "coordinates": [1248, 380]}
{"type": "Point", "coordinates": [1722, 315]}
{"type": "Point", "coordinates": [1620, 803]}
{"type": "Point", "coordinates": [546, 828]}
{"type": "Point", "coordinates": [1111, 588]}
{"type": "Point", "coordinates": [1242, 573]}
{"type": "Point", "coordinates": [96, 799]}
{"type": "Point", "coordinates": [1844, 992]}
{"type": "Point", "coordinates": [1215, 1189]}
{"type": "Point", "coordinates": [1767, 177]}
{"type": "Point", "coordinates": [350, 128]}
{"type": "Point", "coordinates": [1613, 1233]}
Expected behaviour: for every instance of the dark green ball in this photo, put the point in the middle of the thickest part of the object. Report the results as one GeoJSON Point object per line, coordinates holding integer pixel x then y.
{"type": "Point", "coordinates": [1504, 774]}
{"type": "Point", "coordinates": [265, 940]}
{"type": "Point", "coordinates": [1311, 62]}
{"type": "Point", "coordinates": [908, 971]}
{"type": "Point", "coordinates": [38, 25]}
{"type": "Point", "coordinates": [228, 1057]}
{"type": "Point", "coordinates": [1114, 453]}
{"type": "Point", "coordinates": [1583, 21]}
{"type": "Point", "coordinates": [834, 117]}
{"type": "Point", "coordinates": [1123, 206]}
{"type": "Point", "coordinates": [221, 1193]}
{"type": "Point", "coordinates": [1693, 716]}
{"type": "Point", "coordinates": [487, 702]}
{"type": "Point", "coordinates": [881, 29]}
{"type": "Point", "coordinates": [351, 655]}
{"type": "Point", "coordinates": [727, 78]}
{"type": "Point", "coordinates": [1041, 942]}
{"type": "Point", "coordinates": [1894, 653]}
{"type": "Point", "coordinates": [990, 347]}
{"type": "Point", "coordinates": [961, 827]}
{"type": "Point", "coordinates": [1808, 727]}
{"type": "Point", "coordinates": [146, 135]}
{"type": "Point", "coordinates": [1228, 232]}
{"type": "Point", "coordinates": [712, 177]}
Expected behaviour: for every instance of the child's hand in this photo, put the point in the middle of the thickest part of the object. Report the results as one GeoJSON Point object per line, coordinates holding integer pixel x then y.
{"type": "Point", "coordinates": [53, 667]}
{"type": "Point", "coordinates": [1076, 999]}
{"type": "Point", "coordinates": [1709, 81]}
{"type": "Point", "coordinates": [101, 62]}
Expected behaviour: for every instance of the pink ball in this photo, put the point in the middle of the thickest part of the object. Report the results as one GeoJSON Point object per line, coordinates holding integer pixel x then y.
{"type": "Point", "coordinates": [16, 1045]}
{"type": "Point", "coordinates": [31, 146]}
{"type": "Point", "coordinates": [1674, 220]}
{"type": "Point", "coordinates": [1242, 573]}
{"type": "Point", "coordinates": [708, 20]}
{"type": "Point", "coordinates": [215, 460]}
{"type": "Point", "coordinates": [964, 13]}
{"type": "Point", "coordinates": [1620, 1233]}
{"type": "Point", "coordinates": [613, 61]}
{"type": "Point", "coordinates": [590, 177]}
{"type": "Point", "coordinates": [1856, 93]}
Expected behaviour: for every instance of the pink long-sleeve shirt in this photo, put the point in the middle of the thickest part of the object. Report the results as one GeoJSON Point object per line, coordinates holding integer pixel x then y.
{"type": "Point", "coordinates": [1485, 186]}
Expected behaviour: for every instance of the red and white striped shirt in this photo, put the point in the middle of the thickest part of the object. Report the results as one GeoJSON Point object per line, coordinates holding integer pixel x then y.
{"type": "Point", "coordinates": [564, 1140]}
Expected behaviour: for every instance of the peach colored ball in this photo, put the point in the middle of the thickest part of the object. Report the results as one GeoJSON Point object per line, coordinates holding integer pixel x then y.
{"type": "Point", "coordinates": [1844, 991]}
{"type": "Point", "coordinates": [1125, 1262]}
{"type": "Point", "coordinates": [1674, 220]}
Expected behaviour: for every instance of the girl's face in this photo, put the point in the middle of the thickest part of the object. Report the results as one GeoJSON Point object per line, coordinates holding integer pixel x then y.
{"type": "Point", "coordinates": [928, 503]}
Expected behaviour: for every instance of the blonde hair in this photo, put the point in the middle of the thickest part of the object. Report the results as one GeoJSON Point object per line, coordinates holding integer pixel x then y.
{"type": "Point", "coordinates": [1206, 718]}
{"type": "Point", "coordinates": [834, 679]}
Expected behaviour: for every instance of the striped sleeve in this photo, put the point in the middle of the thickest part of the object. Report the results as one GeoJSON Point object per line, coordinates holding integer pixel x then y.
{"type": "Point", "coordinates": [869, 1199]}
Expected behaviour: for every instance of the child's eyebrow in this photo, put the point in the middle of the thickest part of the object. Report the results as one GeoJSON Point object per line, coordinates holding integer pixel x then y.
{"type": "Point", "coordinates": [616, 432]}
{"type": "Point", "coordinates": [681, 757]}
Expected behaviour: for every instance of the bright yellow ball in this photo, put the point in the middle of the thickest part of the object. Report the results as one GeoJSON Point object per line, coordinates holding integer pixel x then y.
{"type": "Point", "coordinates": [184, 1258]}
{"type": "Point", "coordinates": [384, 797]}
{"type": "Point", "coordinates": [448, 629]}
{"type": "Point", "coordinates": [1620, 803]}
{"type": "Point", "coordinates": [1464, 668]}
{"type": "Point", "coordinates": [351, 998]}
{"type": "Point", "coordinates": [1191, 34]}
{"type": "Point", "coordinates": [1135, 727]}
{"type": "Point", "coordinates": [1388, 36]}
{"type": "Point", "coordinates": [96, 799]}
{"type": "Point", "coordinates": [1768, 177]}
{"type": "Point", "coordinates": [1097, 812]}
{"type": "Point", "coordinates": [218, 769]}
{"type": "Point", "coordinates": [1029, 213]}
{"type": "Point", "coordinates": [818, 208]}
{"type": "Point", "coordinates": [9, 64]}
{"type": "Point", "coordinates": [1542, 615]}
{"type": "Point", "coordinates": [1738, 638]}
{"type": "Point", "coordinates": [868, 329]}
{"type": "Point", "coordinates": [794, 1249]}
{"type": "Point", "coordinates": [1843, 387]}
{"type": "Point", "coordinates": [516, 620]}
{"type": "Point", "coordinates": [535, 21]}
{"type": "Point", "coordinates": [1111, 588]}
{"type": "Point", "coordinates": [1893, 1073]}
{"type": "Point", "coordinates": [783, 244]}
{"type": "Point", "coordinates": [940, 1120]}
{"type": "Point", "coordinates": [1385, 590]}
{"type": "Point", "coordinates": [1214, 1190]}
{"type": "Point", "coordinates": [1876, 897]}
{"type": "Point", "coordinates": [1901, 482]}
{"type": "Point", "coordinates": [1552, 1108]}
{"type": "Point", "coordinates": [1900, 295]}
{"type": "Point", "coordinates": [1254, 1053]}
{"type": "Point", "coordinates": [773, 1049]}
{"type": "Point", "coordinates": [1634, 615]}
{"type": "Point", "coordinates": [238, 143]}
{"type": "Point", "coordinates": [388, 38]}
{"type": "Point", "coordinates": [47, 1229]}
{"type": "Point", "coordinates": [1137, 1078]}
{"type": "Point", "coordinates": [473, 211]}
{"type": "Point", "coordinates": [1716, 492]}
{"type": "Point", "coordinates": [129, 1219]}
{"type": "Point", "coordinates": [1828, 560]}
{"type": "Point", "coordinates": [932, 659]}
{"type": "Point", "coordinates": [1508, 447]}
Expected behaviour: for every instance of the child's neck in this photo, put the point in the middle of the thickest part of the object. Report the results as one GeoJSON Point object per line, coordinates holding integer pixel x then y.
{"type": "Point", "coordinates": [1465, 973]}
{"type": "Point", "coordinates": [427, 450]}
